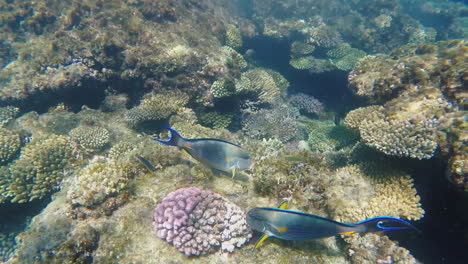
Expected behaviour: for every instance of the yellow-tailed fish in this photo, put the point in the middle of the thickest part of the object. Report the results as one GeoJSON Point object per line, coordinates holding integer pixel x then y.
{"type": "Point", "coordinates": [216, 153]}
{"type": "Point", "coordinates": [292, 225]}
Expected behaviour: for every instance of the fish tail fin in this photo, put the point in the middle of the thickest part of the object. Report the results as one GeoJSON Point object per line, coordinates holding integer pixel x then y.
{"type": "Point", "coordinates": [385, 223]}
{"type": "Point", "coordinates": [174, 139]}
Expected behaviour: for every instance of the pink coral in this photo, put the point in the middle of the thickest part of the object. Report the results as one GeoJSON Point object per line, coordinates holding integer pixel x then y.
{"type": "Point", "coordinates": [199, 222]}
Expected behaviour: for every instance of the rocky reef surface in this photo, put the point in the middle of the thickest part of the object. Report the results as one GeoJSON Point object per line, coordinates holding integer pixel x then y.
{"type": "Point", "coordinates": [85, 85]}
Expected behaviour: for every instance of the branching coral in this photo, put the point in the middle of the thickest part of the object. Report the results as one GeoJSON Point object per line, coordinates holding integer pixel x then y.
{"type": "Point", "coordinates": [299, 49]}
{"type": "Point", "coordinates": [216, 119]}
{"type": "Point", "coordinates": [40, 168]}
{"type": "Point", "coordinates": [156, 107]}
{"type": "Point", "coordinates": [97, 182]}
{"type": "Point", "coordinates": [356, 193]}
{"type": "Point", "coordinates": [306, 103]}
{"type": "Point", "coordinates": [199, 222]}
{"type": "Point", "coordinates": [233, 37]}
{"type": "Point", "coordinates": [222, 87]}
{"type": "Point", "coordinates": [7, 113]}
{"type": "Point", "coordinates": [10, 144]}
{"type": "Point", "coordinates": [279, 122]}
{"type": "Point", "coordinates": [91, 138]}
{"type": "Point", "coordinates": [312, 64]}
{"type": "Point", "coordinates": [259, 83]}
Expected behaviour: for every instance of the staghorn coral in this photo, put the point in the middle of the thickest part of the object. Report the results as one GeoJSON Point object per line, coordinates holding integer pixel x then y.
{"type": "Point", "coordinates": [156, 107]}
{"type": "Point", "coordinates": [259, 83]}
{"type": "Point", "coordinates": [7, 113]}
{"type": "Point", "coordinates": [344, 57]}
{"type": "Point", "coordinates": [233, 37]}
{"type": "Point", "coordinates": [306, 103]}
{"type": "Point", "coordinates": [199, 222]}
{"type": "Point", "coordinates": [90, 138]}
{"type": "Point", "coordinates": [10, 143]}
{"type": "Point", "coordinates": [359, 192]}
{"type": "Point", "coordinates": [376, 248]}
{"type": "Point", "coordinates": [40, 168]}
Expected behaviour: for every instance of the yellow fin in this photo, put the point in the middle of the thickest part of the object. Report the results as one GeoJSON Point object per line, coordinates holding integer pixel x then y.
{"type": "Point", "coordinates": [283, 205]}
{"type": "Point", "coordinates": [185, 154]}
{"type": "Point", "coordinates": [234, 172]}
{"type": "Point", "coordinates": [282, 229]}
{"type": "Point", "coordinates": [347, 233]}
{"type": "Point", "coordinates": [261, 240]}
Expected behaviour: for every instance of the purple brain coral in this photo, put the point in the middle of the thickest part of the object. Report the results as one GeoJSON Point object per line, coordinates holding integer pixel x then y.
{"type": "Point", "coordinates": [199, 222]}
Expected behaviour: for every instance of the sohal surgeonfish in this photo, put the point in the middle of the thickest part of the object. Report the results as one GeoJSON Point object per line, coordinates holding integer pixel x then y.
{"type": "Point", "coordinates": [292, 225]}
{"type": "Point", "coordinates": [218, 154]}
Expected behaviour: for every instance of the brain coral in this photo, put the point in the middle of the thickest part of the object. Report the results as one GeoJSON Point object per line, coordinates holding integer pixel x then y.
{"type": "Point", "coordinates": [40, 168]}
{"type": "Point", "coordinates": [199, 222]}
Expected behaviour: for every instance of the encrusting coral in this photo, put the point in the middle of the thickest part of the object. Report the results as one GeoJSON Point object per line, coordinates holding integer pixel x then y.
{"type": "Point", "coordinates": [199, 222]}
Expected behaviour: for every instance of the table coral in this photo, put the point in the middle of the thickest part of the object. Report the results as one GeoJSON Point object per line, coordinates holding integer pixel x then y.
{"type": "Point", "coordinates": [259, 83]}
{"type": "Point", "coordinates": [199, 222]}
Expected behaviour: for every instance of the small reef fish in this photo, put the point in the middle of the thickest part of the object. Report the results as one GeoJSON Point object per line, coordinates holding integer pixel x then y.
{"type": "Point", "coordinates": [218, 154]}
{"type": "Point", "coordinates": [293, 225]}
{"type": "Point", "coordinates": [146, 163]}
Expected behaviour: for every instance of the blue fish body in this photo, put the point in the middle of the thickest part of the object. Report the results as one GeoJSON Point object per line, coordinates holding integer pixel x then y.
{"type": "Point", "coordinates": [293, 225]}
{"type": "Point", "coordinates": [218, 154]}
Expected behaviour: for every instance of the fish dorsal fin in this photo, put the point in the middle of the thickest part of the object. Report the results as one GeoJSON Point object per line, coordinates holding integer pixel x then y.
{"type": "Point", "coordinates": [283, 205]}
{"type": "Point", "coordinates": [260, 241]}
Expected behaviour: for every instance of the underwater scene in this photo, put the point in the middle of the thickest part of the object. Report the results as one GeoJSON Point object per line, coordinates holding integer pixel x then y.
{"type": "Point", "coordinates": [233, 131]}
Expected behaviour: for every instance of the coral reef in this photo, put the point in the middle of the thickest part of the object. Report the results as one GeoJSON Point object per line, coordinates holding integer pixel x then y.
{"type": "Point", "coordinates": [314, 65]}
{"type": "Point", "coordinates": [216, 119]}
{"type": "Point", "coordinates": [375, 248]}
{"type": "Point", "coordinates": [306, 103]}
{"type": "Point", "coordinates": [324, 136]}
{"type": "Point", "coordinates": [344, 57]}
{"type": "Point", "coordinates": [156, 107]}
{"type": "Point", "coordinates": [299, 49]}
{"type": "Point", "coordinates": [90, 138]}
{"type": "Point", "coordinates": [259, 83]}
{"type": "Point", "coordinates": [7, 113]}
{"type": "Point", "coordinates": [233, 37]}
{"type": "Point", "coordinates": [222, 88]}
{"type": "Point", "coordinates": [199, 222]}
{"type": "Point", "coordinates": [280, 122]}
{"type": "Point", "coordinates": [40, 168]}
{"type": "Point", "coordinates": [10, 143]}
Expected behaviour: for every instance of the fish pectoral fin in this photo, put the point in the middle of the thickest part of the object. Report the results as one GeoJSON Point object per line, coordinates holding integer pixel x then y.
{"type": "Point", "coordinates": [282, 229]}
{"type": "Point", "coordinates": [185, 153]}
{"type": "Point", "coordinates": [234, 172]}
{"type": "Point", "coordinates": [347, 233]}
{"type": "Point", "coordinates": [283, 205]}
{"type": "Point", "coordinates": [261, 240]}
{"type": "Point", "coordinates": [186, 146]}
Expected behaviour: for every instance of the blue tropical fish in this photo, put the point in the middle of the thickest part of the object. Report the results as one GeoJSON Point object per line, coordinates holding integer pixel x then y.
{"type": "Point", "coordinates": [293, 225]}
{"type": "Point", "coordinates": [216, 153]}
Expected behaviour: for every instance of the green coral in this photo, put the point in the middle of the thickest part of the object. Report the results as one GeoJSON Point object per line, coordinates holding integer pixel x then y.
{"type": "Point", "coordinates": [216, 119]}
{"type": "Point", "coordinates": [312, 64]}
{"type": "Point", "coordinates": [222, 87]}
{"type": "Point", "coordinates": [40, 168]}
{"type": "Point", "coordinates": [156, 107]}
{"type": "Point", "coordinates": [281, 82]}
{"type": "Point", "coordinates": [259, 83]}
{"type": "Point", "coordinates": [233, 36]}
{"type": "Point", "coordinates": [10, 143]}
{"type": "Point", "coordinates": [7, 113]}
{"type": "Point", "coordinates": [90, 138]}
{"type": "Point", "coordinates": [344, 57]}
